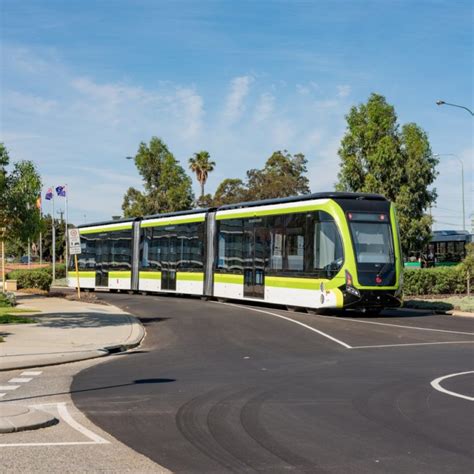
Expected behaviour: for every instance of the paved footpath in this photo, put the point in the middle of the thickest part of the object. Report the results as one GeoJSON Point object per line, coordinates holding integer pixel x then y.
{"type": "Point", "coordinates": [66, 331]}
{"type": "Point", "coordinates": [40, 428]}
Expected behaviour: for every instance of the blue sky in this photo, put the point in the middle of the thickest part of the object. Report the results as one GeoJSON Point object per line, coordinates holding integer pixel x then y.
{"type": "Point", "coordinates": [83, 82]}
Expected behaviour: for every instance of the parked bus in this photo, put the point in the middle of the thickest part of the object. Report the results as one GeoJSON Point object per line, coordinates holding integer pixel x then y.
{"type": "Point", "coordinates": [317, 251]}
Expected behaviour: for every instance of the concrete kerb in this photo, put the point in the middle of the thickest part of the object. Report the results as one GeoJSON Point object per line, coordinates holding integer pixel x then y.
{"type": "Point", "coordinates": [14, 418]}
{"type": "Point", "coordinates": [134, 339]}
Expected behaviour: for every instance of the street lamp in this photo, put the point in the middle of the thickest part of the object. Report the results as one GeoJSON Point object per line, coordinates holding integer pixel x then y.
{"type": "Point", "coordinates": [442, 102]}
{"type": "Point", "coordinates": [462, 184]}
{"type": "Point", "coordinates": [129, 157]}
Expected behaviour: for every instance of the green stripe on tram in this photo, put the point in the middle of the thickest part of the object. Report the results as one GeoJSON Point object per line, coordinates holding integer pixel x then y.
{"type": "Point", "coordinates": [164, 222]}
{"type": "Point", "coordinates": [123, 274]}
{"type": "Point", "coordinates": [150, 275]}
{"type": "Point", "coordinates": [271, 212]}
{"type": "Point", "coordinates": [297, 283]}
{"type": "Point", "coordinates": [229, 278]}
{"type": "Point", "coordinates": [97, 230]}
{"type": "Point", "coordinates": [82, 274]}
{"type": "Point", "coordinates": [188, 276]}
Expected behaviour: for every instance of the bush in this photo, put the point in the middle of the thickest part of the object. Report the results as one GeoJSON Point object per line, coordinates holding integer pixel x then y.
{"type": "Point", "coordinates": [7, 300]}
{"type": "Point", "coordinates": [40, 278]}
{"type": "Point", "coordinates": [434, 281]}
{"type": "Point", "coordinates": [60, 270]}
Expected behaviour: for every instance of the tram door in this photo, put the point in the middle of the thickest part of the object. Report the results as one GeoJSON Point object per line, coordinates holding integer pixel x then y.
{"type": "Point", "coordinates": [255, 244]}
{"type": "Point", "coordinates": [168, 248]}
{"type": "Point", "coordinates": [102, 261]}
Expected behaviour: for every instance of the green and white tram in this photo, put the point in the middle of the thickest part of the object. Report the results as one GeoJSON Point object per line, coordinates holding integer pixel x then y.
{"type": "Point", "coordinates": [318, 251]}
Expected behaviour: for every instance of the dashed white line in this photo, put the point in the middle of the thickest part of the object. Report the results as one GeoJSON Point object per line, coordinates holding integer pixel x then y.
{"type": "Point", "coordinates": [31, 373]}
{"type": "Point", "coordinates": [20, 380]}
{"type": "Point", "coordinates": [9, 387]}
{"type": "Point", "coordinates": [347, 346]}
{"type": "Point", "coordinates": [436, 385]}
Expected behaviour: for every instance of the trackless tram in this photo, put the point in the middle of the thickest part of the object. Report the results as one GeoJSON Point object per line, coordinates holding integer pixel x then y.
{"type": "Point", "coordinates": [324, 250]}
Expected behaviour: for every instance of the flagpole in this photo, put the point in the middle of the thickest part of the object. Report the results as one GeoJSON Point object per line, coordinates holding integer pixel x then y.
{"type": "Point", "coordinates": [41, 234]}
{"type": "Point", "coordinates": [54, 241]}
{"type": "Point", "coordinates": [67, 234]}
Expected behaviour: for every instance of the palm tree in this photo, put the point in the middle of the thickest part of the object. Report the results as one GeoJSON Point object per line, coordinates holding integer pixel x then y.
{"type": "Point", "coordinates": [201, 165]}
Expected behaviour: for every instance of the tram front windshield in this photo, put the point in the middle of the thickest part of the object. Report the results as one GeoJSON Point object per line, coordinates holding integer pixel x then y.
{"type": "Point", "coordinates": [372, 237]}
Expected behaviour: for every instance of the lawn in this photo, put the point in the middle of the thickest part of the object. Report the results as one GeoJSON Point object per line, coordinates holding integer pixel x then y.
{"type": "Point", "coordinates": [440, 303]}
{"type": "Point", "coordinates": [8, 315]}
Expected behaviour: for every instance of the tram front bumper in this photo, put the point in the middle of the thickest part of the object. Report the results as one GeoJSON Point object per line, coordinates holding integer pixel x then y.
{"type": "Point", "coordinates": [375, 299]}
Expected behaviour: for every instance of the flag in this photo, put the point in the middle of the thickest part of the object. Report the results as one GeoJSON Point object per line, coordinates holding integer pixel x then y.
{"type": "Point", "coordinates": [38, 203]}
{"type": "Point", "coordinates": [49, 194]}
{"type": "Point", "coordinates": [61, 191]}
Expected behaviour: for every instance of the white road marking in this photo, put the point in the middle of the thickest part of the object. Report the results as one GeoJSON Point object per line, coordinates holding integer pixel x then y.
{"type": "Point", "coordinates": [436, 385]}
{"type": "Point", "coordinates": [2, 395]}
{"type": "Point", "coordinates": [395, 325]}
{"type": "Point", "coordinates": [347, 346]}
{"type": "Point", "coordinates": [29, 373]}
{"type": "Point", "coordinates": [65, 416]}
{"type": "Point", "coordinates": [20, 380]}
{"type": "Point", "coordinates": [9, 387]}
{"type": "Point", "coordinates": [413, 344]}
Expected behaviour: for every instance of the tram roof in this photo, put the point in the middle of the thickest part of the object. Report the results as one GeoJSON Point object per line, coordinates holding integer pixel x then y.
{"type": "Point", "coordinates": [307, 197]}
{"type": "Point", "coordinates": [304, 197]}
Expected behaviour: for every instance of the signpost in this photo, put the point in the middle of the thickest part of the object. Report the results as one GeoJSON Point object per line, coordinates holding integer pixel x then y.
{"type": "Point", "coordinates": [75, 249]}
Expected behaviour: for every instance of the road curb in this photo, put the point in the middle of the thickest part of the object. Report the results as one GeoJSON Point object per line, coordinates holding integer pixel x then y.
{"type": "Point", "coordinates": [16, 418]}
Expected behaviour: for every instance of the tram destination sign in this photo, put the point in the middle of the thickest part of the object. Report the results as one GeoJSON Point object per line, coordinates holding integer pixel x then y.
{"type": "Point", "coordinates": [74, 242]}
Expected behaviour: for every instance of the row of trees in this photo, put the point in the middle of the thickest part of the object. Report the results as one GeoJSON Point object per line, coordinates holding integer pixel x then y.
{"type": "Point", "coordinates": [377, 155]}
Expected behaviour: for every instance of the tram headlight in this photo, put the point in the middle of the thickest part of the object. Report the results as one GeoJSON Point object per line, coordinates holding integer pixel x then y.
{"type": "Point", "coordinates": [349, 285]}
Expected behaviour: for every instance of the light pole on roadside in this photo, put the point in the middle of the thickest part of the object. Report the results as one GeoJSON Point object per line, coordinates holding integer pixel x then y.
{"type": "Point", "coordinates": [442, 102]}
{"type": "Point", "coordinates": [462, 184]}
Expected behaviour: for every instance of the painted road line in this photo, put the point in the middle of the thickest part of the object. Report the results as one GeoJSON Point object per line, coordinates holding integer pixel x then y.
{"type": "Point", "coordinates": [436, 385]}
{"type": "Point", "coordinates": [66, 417]}
{"type": "Point", "coordinates": [2, 395]}
{"type": "Point", "coordinates": [30, 373]}
{"type": "Point", "coordinates": [20, 380]}
{"type": "Point", "coordinates": [395, 325]}
{"type": "Point", "coordinates": [412, 344]}
{"type": "Point", "coordinates": [9, 387]}
{"type": "Point", "coordinates": [347, 346]}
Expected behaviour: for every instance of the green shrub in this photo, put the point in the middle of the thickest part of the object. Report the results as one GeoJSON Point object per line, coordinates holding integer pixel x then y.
{"type": "Point", "coordinates": [7, 300]}
{"type": "Point", "coordinates": [434, 281]}
{"type": "Point", "coordinates": [60, 270]}
{"type": "Point", "coordinates": [40, 278]}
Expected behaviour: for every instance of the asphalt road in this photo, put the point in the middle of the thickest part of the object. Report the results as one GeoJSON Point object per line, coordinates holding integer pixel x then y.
{"type": "Point", "coordinates": [221, 388]}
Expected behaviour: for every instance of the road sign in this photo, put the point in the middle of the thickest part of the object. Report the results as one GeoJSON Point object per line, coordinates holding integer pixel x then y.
{"type": "Point", "coordinates": [74, 242]}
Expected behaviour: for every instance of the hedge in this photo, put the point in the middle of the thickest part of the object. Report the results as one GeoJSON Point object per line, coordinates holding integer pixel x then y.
{"type": "Point", "coordinates": [40, 278]}
{"type": "Point", "coordinates": [60, 270]}
{"type": "Point", "coordinates": [434, 281]}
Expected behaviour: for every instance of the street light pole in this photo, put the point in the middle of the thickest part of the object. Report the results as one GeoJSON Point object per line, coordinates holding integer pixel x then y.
{"type": "Point", "coordinates": [442, 102]}
{"type": "Point", "coordinates": [462, 185]}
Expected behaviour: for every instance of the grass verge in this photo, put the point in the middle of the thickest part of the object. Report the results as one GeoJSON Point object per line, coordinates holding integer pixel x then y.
{"type": "Point", "coordinates": [456, 302]}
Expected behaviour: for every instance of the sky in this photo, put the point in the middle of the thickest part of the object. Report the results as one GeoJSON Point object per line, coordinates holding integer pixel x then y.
{"type": "Point", "coordinates": [84, 82]}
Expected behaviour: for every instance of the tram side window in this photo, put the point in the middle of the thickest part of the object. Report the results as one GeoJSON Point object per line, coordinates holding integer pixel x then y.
{"type": "Point", "coordinates": [150, 249]}
{"type": "Point", "coordinates": [295, 234]}
{"type": "Point", "coordinates": [230, 245]}
{"type": "Point", "coordinates": [328, 253]}
{"type": "Point", "coordinates": [86, 259]}
{"type": "Point", "coordinates": [190, 246]}
{"type": "Point", "coordinates": [119, 245]}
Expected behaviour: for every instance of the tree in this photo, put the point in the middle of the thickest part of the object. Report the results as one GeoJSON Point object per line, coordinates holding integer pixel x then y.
{"type": "Point", "coordinates": [282, 176]}
{"type": "Point", "coordinates": [19, 191]}
{"type": "Point", "coordinates": [47, 234]}
{"type": "Point", "coordinates": [230, 191]}
{"type": "Point", "coordinates": [378, 157]}
{"type": "Point", "coordinates": [167, 188]}
{"type": "Point", "coordinates": [201, 166]}
{"type": "Point", "coordinates": [468, 266]}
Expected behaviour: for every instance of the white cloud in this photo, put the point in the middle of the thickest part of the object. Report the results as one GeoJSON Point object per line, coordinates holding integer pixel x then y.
{"type": "Point", "coordinates": [343, 91]}
{"type": "Point", "coordinates": [191, 109]}
{"type": "Point", "coordinates": [234, 104]}
{"type": "Point", "coordinates": [35, 104]}
{"type": "Point", "coordinates": [264, 107]}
